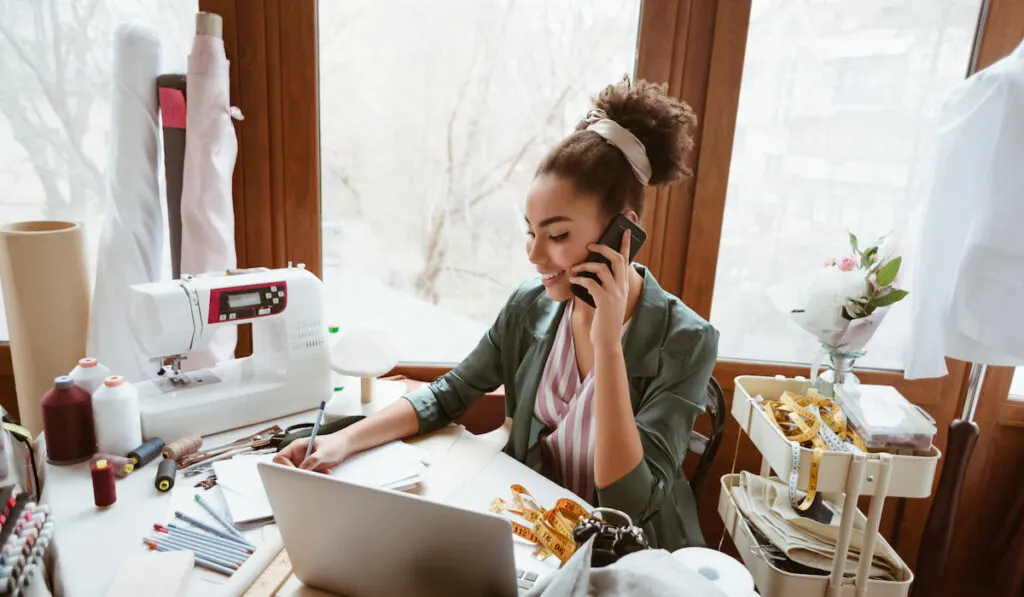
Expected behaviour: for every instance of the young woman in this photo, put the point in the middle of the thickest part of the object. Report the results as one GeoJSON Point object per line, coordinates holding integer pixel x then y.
{"type": "Point", "coordinates": [602, 399]}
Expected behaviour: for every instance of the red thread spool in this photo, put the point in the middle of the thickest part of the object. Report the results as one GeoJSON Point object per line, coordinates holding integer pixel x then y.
{"type": "Point", "coordinates": [68, 423]}
{"type": "Point", "coordinates": [103, 490]}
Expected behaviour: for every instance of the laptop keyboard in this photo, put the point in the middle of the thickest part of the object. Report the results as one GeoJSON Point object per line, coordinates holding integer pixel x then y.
{"type": "Point", "coordinates": [525, 580]}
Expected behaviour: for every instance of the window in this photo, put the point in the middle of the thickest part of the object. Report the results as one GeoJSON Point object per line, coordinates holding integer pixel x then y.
{"type": "Point", "coordinates": [1017, 385]}
{"type": "Point", "coordinates": [433, 117]}
{"type": "Point", "coordinates": [56, 57]}
{"type": "Point", "coordinates": [836, 114]}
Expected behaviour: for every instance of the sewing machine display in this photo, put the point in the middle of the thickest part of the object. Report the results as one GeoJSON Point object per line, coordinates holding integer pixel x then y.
{"type": "Point", "coordinates": [288, 371]}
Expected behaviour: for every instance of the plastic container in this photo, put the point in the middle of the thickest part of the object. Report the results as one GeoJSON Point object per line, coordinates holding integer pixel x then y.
{"type": "Point", "coordinates": [115, 407]}
{"type": "Point", "coordinates": [89, 374]}
{"type": "Point", "coordinates": [68, 422]}
{"type": "Point", "coordinates": [885, 419]}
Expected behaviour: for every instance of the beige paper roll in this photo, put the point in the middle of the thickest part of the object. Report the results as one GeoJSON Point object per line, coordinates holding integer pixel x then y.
{"type": "Point", "coordinates": [45, 279]}
{"type": "Point", "coordinates": [209, 23]}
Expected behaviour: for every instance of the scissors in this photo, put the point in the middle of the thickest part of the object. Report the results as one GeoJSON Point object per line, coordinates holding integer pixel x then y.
{"type": "Point", "coordinates": [280, 441]}
{"type": "Point", "coordinates": [271, 439]}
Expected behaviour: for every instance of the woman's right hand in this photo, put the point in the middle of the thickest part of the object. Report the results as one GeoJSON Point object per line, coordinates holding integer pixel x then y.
{"type": "Point", "coordinates": [328, 452]}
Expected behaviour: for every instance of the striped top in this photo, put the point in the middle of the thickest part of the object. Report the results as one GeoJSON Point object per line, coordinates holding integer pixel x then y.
{"type": "Point", "coordinates": [565, 404]}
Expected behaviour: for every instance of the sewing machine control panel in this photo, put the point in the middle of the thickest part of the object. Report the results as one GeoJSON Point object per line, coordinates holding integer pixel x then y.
{"type": "Point", "coordinates": [247, 302]}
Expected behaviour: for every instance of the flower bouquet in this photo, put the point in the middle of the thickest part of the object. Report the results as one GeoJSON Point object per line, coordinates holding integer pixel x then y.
{"type": "Point", "coordinates": [842, 305]}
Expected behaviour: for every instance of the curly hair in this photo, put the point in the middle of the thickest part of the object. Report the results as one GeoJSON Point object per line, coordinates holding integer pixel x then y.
{"type": "Point", "coordinates": [595, 167]}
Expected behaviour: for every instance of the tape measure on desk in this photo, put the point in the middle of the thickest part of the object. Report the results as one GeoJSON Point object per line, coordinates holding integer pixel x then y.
{"type": "Point", "coordinates": [549, 529]}
{"type": "Point", "coordinates": [816, 423]}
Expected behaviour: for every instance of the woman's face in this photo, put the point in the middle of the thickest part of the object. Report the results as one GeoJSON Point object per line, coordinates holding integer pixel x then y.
{"type": "Point", "coordinates": [559, 225]}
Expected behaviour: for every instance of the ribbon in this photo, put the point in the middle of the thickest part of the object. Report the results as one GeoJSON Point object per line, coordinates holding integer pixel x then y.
{"type": "Point", "coordinates": [619, 136]}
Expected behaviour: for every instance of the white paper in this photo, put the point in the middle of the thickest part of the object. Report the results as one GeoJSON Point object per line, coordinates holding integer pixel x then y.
{"type": "Point", "coordinates": [242, 489]}
{"type": "Point", "coordinates": [395, 465]}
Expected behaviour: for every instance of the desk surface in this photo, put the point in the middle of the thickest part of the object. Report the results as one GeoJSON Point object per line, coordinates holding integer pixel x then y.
{"type": "Point", "coordinates": [90, 544]}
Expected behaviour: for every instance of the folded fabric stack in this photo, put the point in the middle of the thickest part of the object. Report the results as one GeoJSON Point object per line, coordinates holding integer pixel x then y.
{"type": "Point", "coordinates": [765, 504]}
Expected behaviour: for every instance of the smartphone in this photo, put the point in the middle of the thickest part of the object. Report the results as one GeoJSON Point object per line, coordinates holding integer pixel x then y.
{"type": "Point", "coordinates": [612, 237]}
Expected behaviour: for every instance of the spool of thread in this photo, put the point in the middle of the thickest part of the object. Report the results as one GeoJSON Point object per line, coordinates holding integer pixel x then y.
{"type": "Point", "coordinates": [165, 475]}
{"type": "Point", "coordinates": [725, 572]}
{"type": "Point", "coordinates": [68, 422]}
{"type": "Point", "coordinates": [115, 408]}
{"type": "Point", "coordinates": [122, 465]}
{"type": "Point", "coordinates": [89, 374]}
{"type": "Point", "coordinates": [103, 490]}
{"type": "Point", "coordinates": [146, 453]}
{"type": "Point", "coordinates": [185, 446]}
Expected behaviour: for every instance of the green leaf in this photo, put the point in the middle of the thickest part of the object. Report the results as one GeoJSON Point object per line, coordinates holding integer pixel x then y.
{"type": "Point", "coordinates": [887, 273]}
{"type": "Point", "coordinates": [887, 298]}
{"type": "Point", "coordinates": [853, 243]}
{"type": "Point", "coordinates": [853, 311]}
{"type": "Point", "coordinates": [865, 258]}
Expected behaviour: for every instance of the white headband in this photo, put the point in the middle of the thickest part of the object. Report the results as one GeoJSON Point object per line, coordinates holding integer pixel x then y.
{"type": "Point", "coordinates": [628, 144]}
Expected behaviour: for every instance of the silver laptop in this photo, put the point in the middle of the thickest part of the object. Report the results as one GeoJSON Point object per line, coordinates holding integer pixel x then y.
{"type": "Point", "coordinates": [358, 541]}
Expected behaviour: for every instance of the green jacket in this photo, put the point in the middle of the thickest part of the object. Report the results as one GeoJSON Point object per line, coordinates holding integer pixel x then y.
{"type": "Point", "coordinates": [670, 352]}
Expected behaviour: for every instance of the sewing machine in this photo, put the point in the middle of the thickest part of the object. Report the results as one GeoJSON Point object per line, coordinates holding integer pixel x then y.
{"type": "Point", "coordinates": [288, 370]}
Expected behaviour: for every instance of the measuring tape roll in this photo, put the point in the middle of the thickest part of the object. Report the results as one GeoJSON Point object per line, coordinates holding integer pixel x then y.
{"type": "Point", "coordinates": [813, 422]}
{"type": "Point", "coordinates": [549, 529]}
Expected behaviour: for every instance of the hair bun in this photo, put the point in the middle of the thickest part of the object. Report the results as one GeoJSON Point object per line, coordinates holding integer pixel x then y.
{"type": "Point", "coordinates": [660, 121]}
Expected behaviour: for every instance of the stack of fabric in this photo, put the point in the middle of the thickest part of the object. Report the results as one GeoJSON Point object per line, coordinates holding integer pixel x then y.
{"type": "Point", "coordinates": [807, 541]}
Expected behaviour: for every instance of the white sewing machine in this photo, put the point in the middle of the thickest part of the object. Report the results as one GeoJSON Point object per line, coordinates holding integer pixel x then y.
{"type": "Point", "coordinates": [288, 371]}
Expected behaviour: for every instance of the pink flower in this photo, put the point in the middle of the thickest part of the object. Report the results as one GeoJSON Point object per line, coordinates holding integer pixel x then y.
{"type": "Point", "coordinates": [847, 263]}
{"type": "Point", "coordinates": [874, 282]}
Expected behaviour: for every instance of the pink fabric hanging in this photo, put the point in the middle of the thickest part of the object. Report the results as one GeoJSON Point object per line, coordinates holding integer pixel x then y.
{"type": "Point", "coordinates": [207, 211]}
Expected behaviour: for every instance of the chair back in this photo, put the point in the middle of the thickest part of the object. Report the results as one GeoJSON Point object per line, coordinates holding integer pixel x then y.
{"type": "Point", "coordinates": [706, 447]}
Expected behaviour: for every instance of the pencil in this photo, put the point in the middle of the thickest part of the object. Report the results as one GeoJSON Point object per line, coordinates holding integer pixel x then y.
{"type": "Point", "coordinates": [209, 529]}
{"type": "Point", "coordinates": [316, 428]}
{"type": "Point", "coordinates": [199, 560]}
{"type": "Point", "coordinates": [220, 517]}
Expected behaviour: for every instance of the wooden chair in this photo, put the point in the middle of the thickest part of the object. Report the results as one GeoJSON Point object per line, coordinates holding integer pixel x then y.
{"type": "Point", "coordinates": [706, 447]}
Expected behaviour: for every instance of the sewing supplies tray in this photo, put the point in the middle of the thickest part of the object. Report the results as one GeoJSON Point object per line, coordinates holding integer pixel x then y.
{"type": "Point", "coordinates": [911, 476]}
{"type": "Point", "coordinates": [774, 582]}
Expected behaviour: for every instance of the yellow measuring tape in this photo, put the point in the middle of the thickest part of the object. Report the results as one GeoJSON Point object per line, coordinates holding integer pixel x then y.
{"type": "Point", "coordinates": [550, 530]}
{"type": "Point", "coordinates": [813, 422]}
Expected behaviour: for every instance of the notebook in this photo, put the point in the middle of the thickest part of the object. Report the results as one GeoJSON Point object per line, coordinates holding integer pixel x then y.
{"type": "Point", "coordinates": [395, 465]}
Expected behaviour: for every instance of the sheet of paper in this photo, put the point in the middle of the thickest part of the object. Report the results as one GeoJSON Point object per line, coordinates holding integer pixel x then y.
{"type": "Point", "coordinates": [242, 488]}
{"type": "Point", "coordinates": [395, 465]}
{"type": "Point", "coordinates": [389, 464]}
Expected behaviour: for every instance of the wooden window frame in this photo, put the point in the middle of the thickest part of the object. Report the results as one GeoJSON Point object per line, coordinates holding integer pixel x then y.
{"type": "Point", "coordinates": [697, 47]}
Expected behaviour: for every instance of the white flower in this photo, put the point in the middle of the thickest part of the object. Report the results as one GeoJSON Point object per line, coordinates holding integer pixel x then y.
{"type": "Point", "coordinates": [826, 293]}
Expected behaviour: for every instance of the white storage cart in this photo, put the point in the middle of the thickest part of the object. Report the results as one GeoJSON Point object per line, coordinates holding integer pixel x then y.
{"type": "Point", "coordinates": [879, 475]}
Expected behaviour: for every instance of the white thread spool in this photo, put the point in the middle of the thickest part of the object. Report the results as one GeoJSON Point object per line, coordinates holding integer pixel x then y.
{"type": "Point", "coordinates": [115, 412]}
{"type": "Point", "coordinates": [89, 374]}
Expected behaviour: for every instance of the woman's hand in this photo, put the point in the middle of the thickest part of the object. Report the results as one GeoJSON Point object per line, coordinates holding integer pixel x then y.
{"type": "Point", "coordinates": [610, 295]}
{"type": "Point", "coordinates": [328, 452]}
